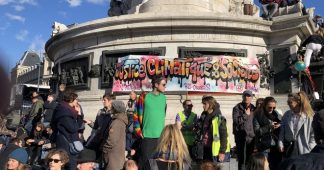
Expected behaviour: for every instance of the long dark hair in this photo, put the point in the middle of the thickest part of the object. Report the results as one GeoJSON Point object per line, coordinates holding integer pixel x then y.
{"type": "Point", "coordinates": [256, 162]}
{"type": "Point", "coordinates": [268, 100]}
{"type": "Point", "coordinates": [38, 133]}
{"type": "Point", "coordinates": [262, 109]}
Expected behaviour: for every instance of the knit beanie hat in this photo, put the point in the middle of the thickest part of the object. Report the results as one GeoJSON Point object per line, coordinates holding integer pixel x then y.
{"type": "Point", "coordinates": [118, 106]}
{"type": "Point", "coordinates": [247, 93]}
{"type": "Point", "coordinates": [87, 155]}
{"type": "Point", "coordinates": [20, 155]}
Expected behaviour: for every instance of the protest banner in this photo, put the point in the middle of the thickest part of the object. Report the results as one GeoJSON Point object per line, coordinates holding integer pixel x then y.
{"type": "Point", "coordinates": [224, 74]}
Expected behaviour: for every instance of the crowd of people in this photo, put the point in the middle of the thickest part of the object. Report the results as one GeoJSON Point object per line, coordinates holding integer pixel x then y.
{"type": "Point", "coordinates": [134, 136]}
{"type": "Point", "coordinates": [270, 7]}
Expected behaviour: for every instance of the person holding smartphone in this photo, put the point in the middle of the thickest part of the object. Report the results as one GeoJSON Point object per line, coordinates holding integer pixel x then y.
{"type": "Point", "coordinates": [266, 124]}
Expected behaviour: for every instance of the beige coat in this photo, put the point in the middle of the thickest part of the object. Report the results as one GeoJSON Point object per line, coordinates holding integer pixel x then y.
{"type": "Point", "coordinates": [114, 146]}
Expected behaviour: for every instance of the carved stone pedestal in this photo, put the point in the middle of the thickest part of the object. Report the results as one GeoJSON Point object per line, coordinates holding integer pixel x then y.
{"type": "Point", "coordinates": [175, 28]}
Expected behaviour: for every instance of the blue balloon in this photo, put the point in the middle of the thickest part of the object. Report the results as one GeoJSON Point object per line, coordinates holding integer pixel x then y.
{"type": "Point", "coordinates": [300, 66]}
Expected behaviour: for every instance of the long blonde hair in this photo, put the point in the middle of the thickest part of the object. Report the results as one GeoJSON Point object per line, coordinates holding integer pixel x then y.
{"type": "Point", "coordinates": [302, 101]}
{"type": "Point", "coordinates": [172, 142]}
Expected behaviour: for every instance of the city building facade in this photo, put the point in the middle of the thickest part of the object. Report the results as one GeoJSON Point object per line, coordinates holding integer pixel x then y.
{"type": "Point", "coordinates": [31, 69]}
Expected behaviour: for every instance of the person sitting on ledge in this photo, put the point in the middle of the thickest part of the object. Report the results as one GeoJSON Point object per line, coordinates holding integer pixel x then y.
{"type": "Point", "coordinates": [319, 22]}
{"type": "Point", "coordinates": [270, 7]}
{"type": "Point", "coordinates": [286, 3]}
{"type": "Point", "coordinates": [248, 7]}
{"type": "Point", "coordinates": [314, 47]}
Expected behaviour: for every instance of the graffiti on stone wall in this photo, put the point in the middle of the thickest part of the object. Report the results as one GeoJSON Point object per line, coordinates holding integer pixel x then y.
{"type": "Point", "coordinates": [211, 74]}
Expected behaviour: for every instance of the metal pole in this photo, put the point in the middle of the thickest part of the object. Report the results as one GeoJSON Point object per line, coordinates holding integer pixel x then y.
{"type": "Point", "coordinates": [39, 64]}
{"type": "Point", "coordinates": [38, 79]}
{"type": "Point", "coordinates": [299, 81]}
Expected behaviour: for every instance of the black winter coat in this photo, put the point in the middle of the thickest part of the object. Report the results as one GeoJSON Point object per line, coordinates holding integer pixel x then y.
{"type": "Point", "coordinates": [81, 124]}
{"type": "Point", "coordinates": [310, 161]}
{"type": "Point", "coordinates": [205, 121]}
{"type": "Point", "coordinates": [262, 125]}
{"type": "Point", "coordinates": [243, 123]}
{"type": "Point", "coordinates": [99, 130]}
{"type": "Point", "coordinates": [316, 39]}
{"type": "Point", "coordinates": [48, 110]}
{"type": "Point", "coordinates": [65, 125]}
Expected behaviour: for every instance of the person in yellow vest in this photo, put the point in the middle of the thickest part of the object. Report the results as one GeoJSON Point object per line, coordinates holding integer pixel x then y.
{"type": "Point", "coordinates": [185, 121]}
{"type": "Point", "coordinates": [213, 133]}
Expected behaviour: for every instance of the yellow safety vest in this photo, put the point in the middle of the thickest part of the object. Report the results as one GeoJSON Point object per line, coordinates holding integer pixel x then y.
{"type": "Point", "coordinates": [188, 135]}
{"type": "Point", "coordinates": [216, 139]}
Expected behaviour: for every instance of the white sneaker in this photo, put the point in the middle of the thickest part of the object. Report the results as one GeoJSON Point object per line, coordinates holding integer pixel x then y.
{"type": "Point", "coordinates": [316, 95]}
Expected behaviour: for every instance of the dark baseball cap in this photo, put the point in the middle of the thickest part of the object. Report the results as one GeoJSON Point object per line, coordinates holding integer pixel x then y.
{"type": "Point", "coordinates": [247, 93]}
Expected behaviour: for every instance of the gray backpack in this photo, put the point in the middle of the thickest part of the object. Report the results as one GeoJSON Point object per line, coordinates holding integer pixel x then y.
{"type": "Point", "coordinates": [154, 166]}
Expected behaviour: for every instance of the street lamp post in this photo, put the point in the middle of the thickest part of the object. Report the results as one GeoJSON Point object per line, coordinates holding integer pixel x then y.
{"type": "Point", "coordinates": [39, 70]}
{"type": "Point", "coordinates": [38, 78]}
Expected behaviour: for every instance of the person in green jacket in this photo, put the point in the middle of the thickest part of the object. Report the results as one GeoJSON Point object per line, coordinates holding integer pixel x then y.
{"type": "Point", "coordinates": [35, 113]}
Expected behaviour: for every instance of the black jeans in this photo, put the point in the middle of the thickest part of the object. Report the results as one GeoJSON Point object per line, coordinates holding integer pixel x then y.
{"type": "Point", "coordinates": [244, 152]}
{"type": "Point", "coordinates": [274, 158]}
{"type": "Point", "coordinates": [34, 153]}
{"type": "Point", "coordinates": [147, 149]}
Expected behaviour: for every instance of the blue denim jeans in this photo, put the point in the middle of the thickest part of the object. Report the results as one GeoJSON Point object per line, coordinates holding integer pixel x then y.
{"type": "Point", "coordinates": [226, 159]}
{"type": "Point", "coordinates": [225, 164]}
{"type": "Point", "coordinates": [29, 126]}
